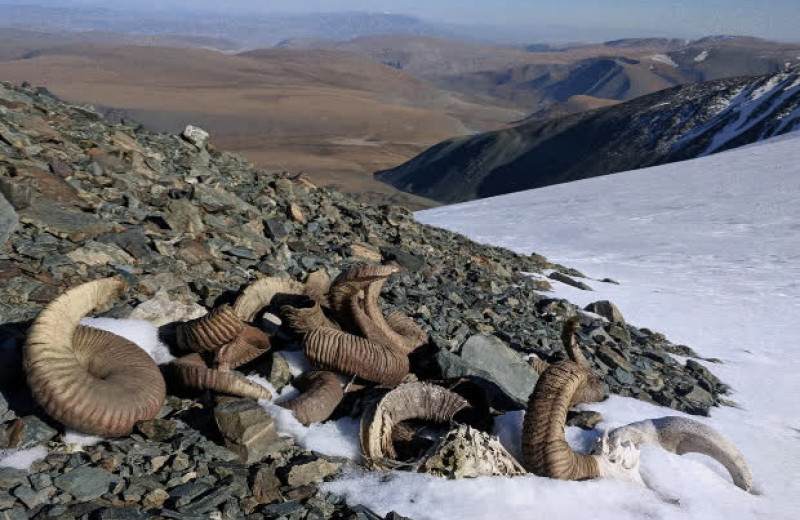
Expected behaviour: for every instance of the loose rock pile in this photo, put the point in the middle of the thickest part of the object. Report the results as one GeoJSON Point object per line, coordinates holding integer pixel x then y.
{"type": "Point", "coordinates": [187, 227]}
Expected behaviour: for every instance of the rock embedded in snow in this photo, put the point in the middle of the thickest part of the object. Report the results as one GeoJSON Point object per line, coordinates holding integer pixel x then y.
{"type": "Point", "coordinates": [607, 310]}
{"type": "Point", "coordinates": [560, 277]}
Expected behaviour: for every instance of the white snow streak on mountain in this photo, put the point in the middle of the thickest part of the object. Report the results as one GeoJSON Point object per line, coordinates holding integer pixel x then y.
{"type": "Point", "coordinates": [708, 252]}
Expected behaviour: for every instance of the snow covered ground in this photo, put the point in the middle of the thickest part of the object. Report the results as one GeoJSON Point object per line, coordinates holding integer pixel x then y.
{"type": "Point", "coordinates": [708, 252]}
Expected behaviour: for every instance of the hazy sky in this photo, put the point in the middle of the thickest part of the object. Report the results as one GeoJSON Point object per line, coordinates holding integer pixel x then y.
{"type": "Point", "coordinates": [767, 18]}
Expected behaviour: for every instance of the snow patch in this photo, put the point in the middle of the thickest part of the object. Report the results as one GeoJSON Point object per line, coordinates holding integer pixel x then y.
{"type": "Point", "coordinates": [663, 58]}
{"type": "Point", "coordinates": [22, 459]}
{"type": "Point", "coordinates": [701, 57]}
{"type": "Point", "coordinates": [708, 251]}
{"type": "Point", "coordinates": [334, 438]}
{"type": "Point", "coordinates": [79, 440]}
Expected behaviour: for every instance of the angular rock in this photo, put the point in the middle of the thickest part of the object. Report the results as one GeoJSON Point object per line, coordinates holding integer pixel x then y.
{"type": "Point", "coordinates": [85, 483]}
{"type": "Point", "coordinates": [161, 310]}
{"type": "Point", "coordinates": [6, 501]}
{"type": "Point", "coordinates": [404, 259]}
{"type": "Point", "coordinates": [184, 217]}
{"type": "Point", "coordinates": [9, 221]}
{"type": "Point", "coordinates": [28, 432]}
{"type": "Point", "coordinates": [16, 513]}
{"type": "Point", "coordinates": [607, 310]}
{"type": "Point", "coordinates": [500, 371]}
{"type": "Point", "coordinates": [195, 135]}
{"type": "Point", "coordinates": [63, 221]}
{"type": "Point", "coordinates": [11, 477]}
{"type": "Point", "coordinates": [32, 499]}
{"type": "Point", "coordinates": [158, 430]}
{"type": "Point", "coordinates": [307, 472]}
{"type": "Point", "coordinates": [560, 277]}
{"type": "Point", "coordinates": [96, 253]}
{"type": "Point", "coordinates": [584, 419]}
{"type": "Point", "coordinates": [266, 484]}
{"type": "Point", "coordinates": [247, 428]}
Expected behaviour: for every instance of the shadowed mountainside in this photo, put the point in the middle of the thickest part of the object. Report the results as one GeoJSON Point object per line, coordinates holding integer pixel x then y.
{"type": "Point", "coordinates": [672, 125]}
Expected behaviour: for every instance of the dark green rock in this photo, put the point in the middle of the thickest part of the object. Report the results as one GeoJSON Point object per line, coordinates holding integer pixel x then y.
{"type": "Point", "coordinates": [85, 483]}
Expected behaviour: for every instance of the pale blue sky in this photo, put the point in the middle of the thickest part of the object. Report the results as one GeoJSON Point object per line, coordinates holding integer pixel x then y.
{"type": "Point", "coordinates": [766, 18]}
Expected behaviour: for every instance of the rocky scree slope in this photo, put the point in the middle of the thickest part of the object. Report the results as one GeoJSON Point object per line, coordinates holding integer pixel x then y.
{"type": "Point", "coordinates": [188, 226]}
{"type": "Point", "coordinates": [672, 125]}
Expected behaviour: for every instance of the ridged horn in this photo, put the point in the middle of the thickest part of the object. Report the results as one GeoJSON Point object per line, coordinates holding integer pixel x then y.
{"type": "Point", "coordinates": [416, 400]}
{"type": "Point", "coordinates": [305, 317]}
{"type": "Point", "coordinates": [594, 390]}
{"type": "Point", "coordinates": [348, 354]}
{"type": "Point", "coordinates": [211, 332]}
{"type": "Point", "coordinates": [408, 328]}
{"type": "Point", "coordinates": [321, 394]}
{"type": "Point", "coordinates": [193, 373]}
{"type": "Point", "coordinates": [261, 293]}
{"type": "Point", "coordinates": [250, 344]}
{"type": "Point", "coordinates": [90, 380]}
{"type": "Point", "coordinates": [545, 450]}
{"type": "Point", "coordinates": [681, 435]}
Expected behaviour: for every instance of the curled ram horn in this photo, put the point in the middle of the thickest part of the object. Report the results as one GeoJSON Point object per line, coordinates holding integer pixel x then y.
{"type": "Point", "coordinates": [416, 400]}
{"type": "Point", "coordinates": [354, 300]}
{"type": "Point", "coordinates": [193, 373]}
{"type": "Point", "coordinates": [211, 332]}
{"type": "Point", "coordinates": [305, 316]}
{"type": "Point", "coordinates": [263, 293]}
{"type": "Point", "coordinates": [90, 380]}
{"type": "Point", "coordinates": [249, 345]}
{"type": "Point", "coordinates": [681, 435]}
{"type": "Point", "coordinates": [545, 450]}
{"type": "Point", "coordinates": [321, 394]}
{"type": "Point", "coordinates": [335, 350]}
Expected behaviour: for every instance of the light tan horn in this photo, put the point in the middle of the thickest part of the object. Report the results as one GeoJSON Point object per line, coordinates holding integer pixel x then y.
{"type": "Point", "coordinates": [416, 400]}
{"type": "Point", "coordinates": [261, 293]}
{"type": "Point", "coordinates": [681, 435]}
{"type": "Point", "coordinates": [90, 380]}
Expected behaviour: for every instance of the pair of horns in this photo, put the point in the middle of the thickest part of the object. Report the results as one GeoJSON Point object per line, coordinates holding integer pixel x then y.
{"type": "Point", "coordinates": [564, 384]}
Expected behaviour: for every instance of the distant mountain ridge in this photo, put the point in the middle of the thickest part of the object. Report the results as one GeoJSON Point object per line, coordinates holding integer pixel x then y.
{"type": "Point", "coordinates": [672, 125]}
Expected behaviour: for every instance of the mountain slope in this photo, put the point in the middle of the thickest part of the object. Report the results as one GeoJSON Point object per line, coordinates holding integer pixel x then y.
{"type": "Point", "coordinates": [707, 251]}
{"type": "Point", "coordinates": [675, 124]}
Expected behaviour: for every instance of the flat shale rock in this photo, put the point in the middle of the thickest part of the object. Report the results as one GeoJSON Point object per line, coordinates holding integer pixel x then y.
{"type": "Point", "coordinates": [247, 428]}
